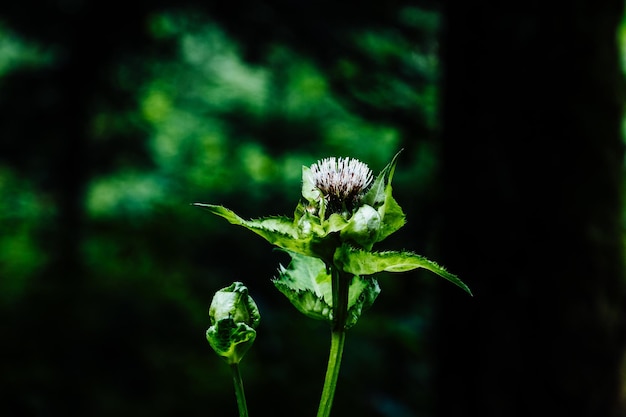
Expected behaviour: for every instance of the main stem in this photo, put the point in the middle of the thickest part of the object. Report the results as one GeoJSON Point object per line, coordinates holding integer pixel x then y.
{"type": "Point", "coordinates": [340, 287]}
{"type": "Point", "coordinates": [239, 393]}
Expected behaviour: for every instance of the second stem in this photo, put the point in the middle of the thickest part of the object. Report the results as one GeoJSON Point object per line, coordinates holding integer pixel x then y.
{"type": "Point", "coordinates": [239, 392]}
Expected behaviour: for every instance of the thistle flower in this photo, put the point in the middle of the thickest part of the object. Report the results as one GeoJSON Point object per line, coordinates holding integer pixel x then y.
{"type": "Point", "coordinates": [341, 182]}
{"type": "Point", "coordinates": [344, 212]}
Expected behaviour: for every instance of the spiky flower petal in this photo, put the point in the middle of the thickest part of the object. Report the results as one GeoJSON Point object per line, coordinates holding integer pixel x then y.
{"type": "Point", "coordinates": [342, 182]}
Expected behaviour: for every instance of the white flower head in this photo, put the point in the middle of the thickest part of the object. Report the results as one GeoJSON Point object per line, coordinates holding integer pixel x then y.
{"type": "Point", "coordinates": [341, 181]}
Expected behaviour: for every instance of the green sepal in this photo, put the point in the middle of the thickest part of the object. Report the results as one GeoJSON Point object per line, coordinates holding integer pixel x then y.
{"type": "Point", "coordinates": [308, 286]}
{"type": "Point", "coordinates": [309, 190]}
{"type": "Point", "coordinates": [359, 262]}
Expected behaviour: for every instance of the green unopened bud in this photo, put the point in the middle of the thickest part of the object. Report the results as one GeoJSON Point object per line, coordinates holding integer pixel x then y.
{"type": "Point", "coordinates": [234, 317]}
{"type": "Point", "coordinates": [363, 227]}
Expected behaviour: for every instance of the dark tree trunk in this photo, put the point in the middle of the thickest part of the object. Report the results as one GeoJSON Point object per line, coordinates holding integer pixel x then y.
{"type": "Point", "coordinates": [532, 210]}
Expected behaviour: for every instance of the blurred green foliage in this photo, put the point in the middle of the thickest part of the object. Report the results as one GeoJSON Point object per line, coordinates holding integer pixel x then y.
{"type": "Point", "coordinates": [222, 106]}
{"type": "Point", "coordinates": [123, 333]}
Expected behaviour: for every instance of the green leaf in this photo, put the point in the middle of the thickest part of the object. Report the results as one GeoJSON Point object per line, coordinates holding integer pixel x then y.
{"type": "Point", "coordinates": [362, 294]}
{"type": "Point", "coordinates": [380, 197]}
{"type": "Point", "coordinates": [392, 215]}
{"type": "Point", "coordinates": [308, 286]}
{"type": "Point", "coordinates": [279, 231]}
{"type": "Point", "coordinates": [359, 262]}
{"type": "Point", "coordinates": [376, 195]}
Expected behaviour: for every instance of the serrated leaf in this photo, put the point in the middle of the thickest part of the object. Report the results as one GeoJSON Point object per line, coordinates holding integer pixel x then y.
{"type": "Point", "coordinates": [359, 262]}
{"type": "Point", "coordinates": [380, 197]}
{"type": "Point", "coordinates": [305, 273]}
{"type": "Point", "coordinates": [279, 231]}
{"type": "Point", "coordinates": [308, 286]}
{"type": "Point", "coordinates": [362, 294]}
{"type": "Point", "coordinates": [376, 195]}
{"type": "Point", "coordinates": [306, 301]}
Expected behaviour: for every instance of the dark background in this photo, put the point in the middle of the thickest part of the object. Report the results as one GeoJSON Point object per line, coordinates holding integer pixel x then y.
{"type": "Point", "coordinates": [117, 115]}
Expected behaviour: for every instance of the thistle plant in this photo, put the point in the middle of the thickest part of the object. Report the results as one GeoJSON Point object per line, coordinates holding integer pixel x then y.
{"type": "Point", "coordinates": [343, 213]}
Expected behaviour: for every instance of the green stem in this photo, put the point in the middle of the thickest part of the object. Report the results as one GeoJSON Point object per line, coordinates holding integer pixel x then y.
{"type": "Point", "coordinates": [340, 287]}
{"type": "Point", "coordinates": [332, 373]}
{"type": "Point", "coordinates": [239, 393]}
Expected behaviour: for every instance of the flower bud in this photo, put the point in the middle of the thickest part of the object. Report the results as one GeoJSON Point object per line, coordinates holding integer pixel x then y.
{"type": "Point", "coordinates": [234, 317]}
